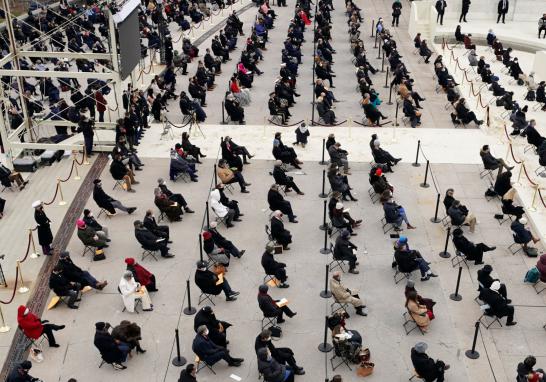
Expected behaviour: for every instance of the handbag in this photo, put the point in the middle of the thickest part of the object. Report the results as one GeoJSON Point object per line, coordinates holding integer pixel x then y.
{"type": "Point", "coordinates": [365, 369]}
{"type": "Point", "coordinates": [99, 255]}
{"type": "Point", "coordinates": [276, 331]}
{"type": "Point", "coordinates": [219, 268]}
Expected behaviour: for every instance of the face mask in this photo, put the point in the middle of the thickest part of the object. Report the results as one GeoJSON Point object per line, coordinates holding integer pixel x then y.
{"type": "Point", "coordinates": [206, 333]}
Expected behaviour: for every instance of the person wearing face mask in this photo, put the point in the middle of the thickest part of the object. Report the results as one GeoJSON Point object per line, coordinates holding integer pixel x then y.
{"type": "Point", "coordinates": [345, 295]}
{"type": "Point", "coordinates": [106, 202]}
{"type": "Point", "coordinates": [45, 236]}
{"type": "Point", "coordinates": [90, 221]}
{"type": "Point", "coordinates": [209, 352]}
{"type": "Point", "coordinates": [272, 370]}
{"type": "Point", "coordinates": [188, 374]}
{"type": "Point", "coordinates": [282, 355]}
{"type": "Point", "coordinates": [217, 328]}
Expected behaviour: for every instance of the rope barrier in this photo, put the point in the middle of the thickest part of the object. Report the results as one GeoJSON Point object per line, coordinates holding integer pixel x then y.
{"type": "Point", "coordinates": [281, 125]}
{"type": "Point", "coordinates": [69, 174]}
{"type": "Point", "coordinates": [334, 124]}
{"type": "Point", "coordinates": [115, 99]}
{"type": "Point", "coordinates": [14, 288]}
{"type": "Point", "coordinates": [527, 175]}
{"type": "Point", "coordinates": [513, 156]}
{"type": "Point", "coordinates": [83, 157]}
{"type": "Point", "coordinates": [541, 198]}
{"type": "Point", "coordinates": [54, 196]}
{"type": "Point", "coordinates": [28, 247]}
{"type": "Point", "coordinates": [178, 127]}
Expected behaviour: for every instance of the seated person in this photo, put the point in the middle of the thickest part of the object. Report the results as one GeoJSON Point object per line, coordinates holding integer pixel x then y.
{"type": "Point", "coordinates": [129, 333]}
{"type": "Point", "coordinates": [339, 220]}
{"type": "Point", "coordinates": [215, 253]}
{"type": "Point", "coordinates": [409, 260]}
{"type": "Point", "coordinates": [269, 307]}
{"type": "Point", "coordinates": [90, 221]}
{"type": "Point", "coordinates": [340, 182]}
{"type": "Point", "coordinates": [151, 225]}
{"type": "Point", "coordinates": [178, 198]}
{"type": "Point", "coordinates": [62, 287]}
{"type": "Point", "coordinates": [470, 250]}
{"type": "Point", "coordinates": [228, 176]}
{"type": "Point", "coordinates": [410, 111]}
{"type": "Point", "coordinates": [336, 323]}
{"type": "Point", "coordinates": [127, 156]}
{"type": "Point", "coordinates": [533, 136]}
{"type": "Point", "coordinates": [141, 274]}
{"type": "Point", "coordinates": [420, 314]}
{"type": "Point", "coordinates": [424, 51]}
{"type": "Point", "coordinates": [281, 235]}
{"type": "Point", "coordinates": [485, 281]}
{"type": "Point", "coordinates": [277, 202]}
{"type": "Point", "coordinates": [379, 182]}
{"type": "Point", "coordinates": [106, 202]}
{"type": "Point", "coordinates": [209, 283]}
{"type": "Point", "coordinates": [224, 243]}
{"type": "Point", "coordinates": [498, 305]}
{"type": "Point", "coordinates": [7, 177]}
{"type": "Point", "coordinates": [459, 215]}
{"type": "Point", "coordinates": [89, 237]}
{"type": "Point", "coordinates": [425, 367]}
{"type": "Point", "coordinates": [111, 351]}
{"type": "Point", "coordinates": [209, 352]}
{"type": "Point", "coordinates": [345, 295]}
{"type": "Point", "coordinates": [284, 180]}
{"type": "Point", "coordinates": [172, 209]}
{"type": "Point", "coordinates": [234, 109]}
{"type": "Point", "coordinates": [508, 208]}
{"type": "Point", "coordinates": [179, 164]}
{"type": "Point", "coordinates": [271, 370]}
{"type": "Point", "coordinates": [345, 250]}
{"type": "Point", "coordinates": [541, 266]}
{"type": "Point", "coordinates": [383, 157]}
{"type": "Point", "coordinates": [525, 369]}
{"type": "Point", "coordinates": [282, 355]}
{"type": "Point", "coordinates": [190, 148]}
{"type": "Point", "coordinates": [522, 235]}
{"type": "Point", "coordinates": [131, 291]}
{"type": "Point", "coordinates": [464, 114]}
{"type": "Point", "coordinates": [33, 327]}
{"type": "Point", "coordinates": [216, 328]}
{"type": "Point", "coordinates": [503, 185]}
{"type": "Point", "coordinates": [120, 171]}
{"type": "Point", "coordinates": [468, 42]}
{"type": "Point", "coordinates": [76, 275]}
{"type": "Point", "coordinates": [449, 199]}
{"type": "Point", "coordinates": [285, 153]}
{"type": "Point", "coordinates": [149, 241]}
{"type": "Point", "coordinates": [20, 373]}
{"type": "Point", "coordinates": [274, 268]}
{"type": "Point", "coordinates": [336, 197]}
{"type": "Point", "coordinates": [231, 204]}
{"type": "Point", "coordinates": [428, 302]}
{"type": "Point", "coordinates": [221, 210]}
{"type": "Point", "coordinates": [395, 214]}
{"type": "Point", "coordinates": [339, 157]}
{"type": "Point", "coordinates": [231, 152]}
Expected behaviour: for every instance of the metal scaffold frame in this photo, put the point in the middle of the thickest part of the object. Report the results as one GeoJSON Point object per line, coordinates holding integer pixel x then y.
{"type": "Point", "coordinates": [109, 66]}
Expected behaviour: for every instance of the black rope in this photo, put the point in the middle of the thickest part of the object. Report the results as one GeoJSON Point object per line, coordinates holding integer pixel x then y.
{"type": "Point", "coordinates": [276, 124]}
{"type": "Point", "coordinates": [179, 127]}
{"type": "Point", "coordinates": [334, 124]}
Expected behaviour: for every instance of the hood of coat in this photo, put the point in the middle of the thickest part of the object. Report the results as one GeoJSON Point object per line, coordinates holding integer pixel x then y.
{"type": "Point", "coordinates": [21, 312]}
{"type": "Point", "coordinates": [262, 354]}
{"type": "Point", "coordinates": [543, 259]}
{"type": "Point", "coordinates": [215, 195]}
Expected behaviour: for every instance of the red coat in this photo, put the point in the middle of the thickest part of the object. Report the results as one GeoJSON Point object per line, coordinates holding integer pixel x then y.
{"type": "Point", "coordinates": [304, 17]}
{"type": "Point", "coordinates": [29, 324]}
{"type": "Point", "coordinates": [142, 275]}
{"type": "Point", "coordinates": [101, 102]}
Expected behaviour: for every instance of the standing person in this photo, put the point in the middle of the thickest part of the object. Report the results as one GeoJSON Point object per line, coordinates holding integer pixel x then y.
{"type": "Point", "coordinates": [33, 327]}
{"type": "Point", "coordinates": [502, 9]}
{"type": "Point", "coordinates": [396, 12]}
{"type": "Point", "coordinates": [464, 10]}
{"type": "Point", "coordinates": [441, 9]}
{"type": "Point", "coordinates": [302, 133]}
{"type": "Point", "coordinates": [86, 127]}
{"type": "Point", "coordinates": [542, 25]}
{"type": "Point", "coordinates": [101, 104]}
{"type": "Point", "coordinates": [45, 236]}
{"type": "Point", "coordinates": [427, 368]}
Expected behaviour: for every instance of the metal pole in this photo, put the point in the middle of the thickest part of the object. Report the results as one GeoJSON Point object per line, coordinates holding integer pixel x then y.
{"type": "Point", "coordinates": [435, 218]}
{"type": "Point", "coordinates": [387, 83]}
{"type": "Point", "coordinates": [323, 162]}
{"type": "Point", "coordinates": [396, 114]}
{"type": "Point", "coordinates": [324, 226]}
{"type": "Point", "coordinates": [373, 27]}
{"type": "Point", "coordinates": [325, 347]}
{"type": "Point", "coordinates": [326, 293]}
{"type": "Point", "coordinates": [390, 97]}
{"type": "Point", "coordinates": [207, 213]}
{"type": "Point", "coordinates": [323, 194]}
{"type": "Point", "coordinates": [223, 117]}
{"type": "Point", "coordinates": [456, 296]}
{"type": "Point", "coordinates": [178, 360]}
{"type": "Point", "coordinates": [375, 43]}
{"type": "Point", "coordinates": [325, 250]}
{"type": "Point", "coordinates": [200, 247]}
{"type": "Point", "coordinates": [215, 176]}
{"type": "Point", "coordinates": [472, 353]}
{"type": "Point", "coordinates": [379, 51]}
{"type": "Point", "coordinates": [425, 184]}
{"type": "Point", "coordinates": [189, 310]}
{"type": "Point", "coordinates": [417, 164]}
{"type": "Point", "coordinates": [445, 254]}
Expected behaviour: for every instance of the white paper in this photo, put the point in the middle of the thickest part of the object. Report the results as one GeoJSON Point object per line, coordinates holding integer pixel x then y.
{"type": "Point", "coordinates": [235, 377]}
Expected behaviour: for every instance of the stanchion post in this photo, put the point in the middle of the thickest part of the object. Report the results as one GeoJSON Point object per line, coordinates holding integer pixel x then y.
{"type": "Point", "coordinates": [324, 225]}
{"type": "Point", "coordinates": [396, 113]}
{"type": "Point", "coordinates": [445, 254]}
{"type": "Point", "coordinates": [34, 254]}
{"type": "Point", "coordinates": [472, 353]}
{"type": "Point", "coordinates": [326, 293]}
{"type": "Point", "coordinates": [425, 184]}
{"type": "Point", "coordinates": [373, 27]}
{"type": "Point", "coordinates": [456, 296]}
{"type": "Point", "coordinates": [189, 310]}
{"type": "Point", "coordinates": [22, 289]}
{"type": "Point", "coordinates": [417, 164]}
{"type": "Point", "coordinates": [325, 250]}
{"type": "Point", "coordinates": [62, 202]}
{"type": "Point", "coordinates": [223, 117]}
{"type": "Point", "coordinates": [4, 328]}
{"type": "Point", "coordinates": [383, 62]}
{"type": "Point", "coordinates": [207, 213]}
{"type": "Point", "coordinates": [325, 347]}
{"type": "Point", "coordinates": [323, 194]}
{"type": "Point", "coordinates": [387, 82]}
{"type": "Point", "coordinates": [178, 360]}
{"type": "Point", "coordinates": [375, 42]}
{"type": "Point", "coordinates": [215, 176]}
{"type": "Point", "coordinates": [390, 97]}
{"type": "Point", "coordinates": [323, 162]}
{"type": "Point", "coordinates": [200, 247]}
{"type": "Point", "coordinates": [435, 219]}
{"type": "Point", "coordinates": [75, 164]}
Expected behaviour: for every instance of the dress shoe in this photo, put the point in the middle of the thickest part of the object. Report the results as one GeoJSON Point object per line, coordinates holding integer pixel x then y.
{"type": "Point", "coordinates": [245, 192]}
{"type": "Point", "coordinates": [511, 323]}
{"type": "Point", "coordinates": [233, 293]}
{"type": "Point", "coordinates": [280, 320]}
{"type": "Point", "coordinates": [354, 271]}
{"type": "Point", "coordinates": [241, 253]}
{"type": "Point", "coordinates": [189, 210]}
{"type": "Point", "coordinates": [299, 371]}
{"type": "Point", "coordinates": [284, 285]}
{"type": "Point", "coordinates": [231, 298]}
{"type": "Point", "coordinates": [54, 345]}
{"type": "Point", "coordinates": [168, 255]}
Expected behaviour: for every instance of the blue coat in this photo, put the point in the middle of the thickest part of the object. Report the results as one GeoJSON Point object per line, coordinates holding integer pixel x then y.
{"type": "Point", "coordinates": [207, 350]}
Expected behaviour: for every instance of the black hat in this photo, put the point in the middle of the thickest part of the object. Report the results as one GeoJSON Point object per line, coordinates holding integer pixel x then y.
{"type": "Point", "coordinates": [487, 268]}
{"type": "Point", "coordinates": [96, 181]}
{"type": "Point", "coordinates": [27, 365]}
{"type": "Point", "coordinates": [100, 325]}
{"type": "Point", "coordinates": [263, 288]}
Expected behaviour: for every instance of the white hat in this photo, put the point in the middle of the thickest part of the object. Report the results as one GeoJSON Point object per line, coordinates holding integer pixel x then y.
{"type": "Point", "coordinates": [339, 206]}
{"type": "Point", "coordinates": [523, 221]}
{"type": "Point", "coordinates": [37, 204]}
{"type": "Point", "coordinates": [495, 286]}
{"type": "Point", "coordinates": [376, 142]}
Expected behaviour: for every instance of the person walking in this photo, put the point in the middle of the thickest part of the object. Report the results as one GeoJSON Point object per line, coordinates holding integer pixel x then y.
{"type": "Point", "coordinates": [441, 9]}
{"type": "Point", "coordinates": [396, 12]}
{"type": "Point", "coordinates": [45, 236]}
{"type": "Point", "coordinates": [464, 10]}
{"type": "Point", "coordinates": [502, 9]}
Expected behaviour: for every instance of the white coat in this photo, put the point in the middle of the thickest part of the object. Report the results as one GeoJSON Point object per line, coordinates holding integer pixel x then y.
{"type": "Point", "coordinates": [215, 204]}
{"type": "Point", "coordinates": [129, 294]}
